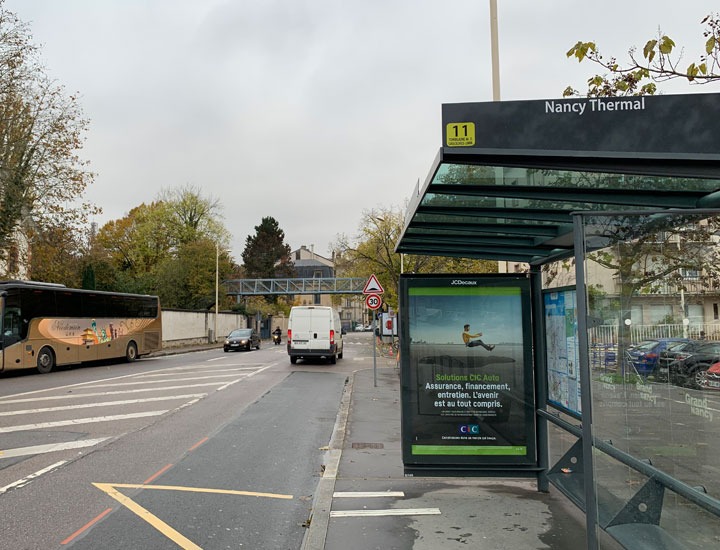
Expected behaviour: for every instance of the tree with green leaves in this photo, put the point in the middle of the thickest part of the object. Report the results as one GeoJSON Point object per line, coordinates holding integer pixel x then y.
{"type": "Point", "coordinates": [42, 177]}
{"type": "Point", "coordinates": [266, 255]}
{"type": "Point", "coordinates": [372, 251]}
{"type": "Point", "coordinates": [660, 60]}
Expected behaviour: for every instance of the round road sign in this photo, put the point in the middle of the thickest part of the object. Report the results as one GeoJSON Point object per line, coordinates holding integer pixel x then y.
{"type": "Point", "coordinates": [373, 301]}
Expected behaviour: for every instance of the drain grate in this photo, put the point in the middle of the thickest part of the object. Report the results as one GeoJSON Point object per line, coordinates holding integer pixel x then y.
{"type": "Point", "coordinates": [368, 446]}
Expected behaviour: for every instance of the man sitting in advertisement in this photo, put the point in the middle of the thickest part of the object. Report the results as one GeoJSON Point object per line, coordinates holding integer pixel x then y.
{"type": "Point", "coordinates": [469, 342]}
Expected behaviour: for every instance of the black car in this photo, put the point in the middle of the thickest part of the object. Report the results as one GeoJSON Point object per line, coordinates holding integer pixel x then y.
{"type": "Point", "coordinates": [673, 353]}
{"type": "Point", "coordinates": [690, 365]}
{"type": "Point", "coordinates": [242, 338]}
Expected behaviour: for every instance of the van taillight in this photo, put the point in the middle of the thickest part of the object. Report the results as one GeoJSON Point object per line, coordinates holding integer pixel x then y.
{"type": "Point", "coordinates": [332, 336]}
{"type": "Point", "coordinates": [289, 335]}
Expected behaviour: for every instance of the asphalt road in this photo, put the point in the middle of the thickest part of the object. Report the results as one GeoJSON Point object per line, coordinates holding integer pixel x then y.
{"type": "Point", "coordinates": [198, 450]}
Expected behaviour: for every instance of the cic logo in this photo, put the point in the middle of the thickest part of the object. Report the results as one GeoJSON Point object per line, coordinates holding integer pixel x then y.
{"type": "Point", "coordinates": [470, 429]}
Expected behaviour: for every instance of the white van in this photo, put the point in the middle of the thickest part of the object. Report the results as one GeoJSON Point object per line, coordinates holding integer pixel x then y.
{"type": "Point", "coordinates": [314, 331]}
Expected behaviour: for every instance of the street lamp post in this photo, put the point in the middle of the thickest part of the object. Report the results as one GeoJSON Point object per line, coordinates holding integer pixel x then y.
{"type": "Point", "coordinates": [217, 287]}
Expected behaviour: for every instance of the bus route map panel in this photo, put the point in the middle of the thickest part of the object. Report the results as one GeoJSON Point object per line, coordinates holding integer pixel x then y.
{"type": "Point", "coordinates": [562, 351]}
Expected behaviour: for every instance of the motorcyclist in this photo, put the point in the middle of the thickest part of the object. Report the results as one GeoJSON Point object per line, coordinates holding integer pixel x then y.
{"type": "Point", "coordinates": [277, 332]}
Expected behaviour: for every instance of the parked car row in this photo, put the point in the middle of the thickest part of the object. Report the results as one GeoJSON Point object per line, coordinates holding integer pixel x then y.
{"type": "Point", "coordinates": [680, 361]}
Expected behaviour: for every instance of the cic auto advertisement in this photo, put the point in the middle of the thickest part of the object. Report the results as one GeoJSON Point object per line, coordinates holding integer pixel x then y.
{"type": "Point", "coordinates": [467, 374]}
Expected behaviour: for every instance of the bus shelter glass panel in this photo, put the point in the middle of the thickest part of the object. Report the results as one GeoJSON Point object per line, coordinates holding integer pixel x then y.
{"type": "Point", "coordinates": [653, 288]}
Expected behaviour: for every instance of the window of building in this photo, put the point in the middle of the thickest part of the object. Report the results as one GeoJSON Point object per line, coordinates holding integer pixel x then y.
{"type": "Point", "coordinates": [660, 313]}
{"type": "Point", "coordinates": [716, 314]}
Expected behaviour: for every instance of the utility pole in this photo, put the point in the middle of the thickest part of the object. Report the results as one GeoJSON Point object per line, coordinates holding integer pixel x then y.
{"type": "Point", "coordinates": [217, 287]}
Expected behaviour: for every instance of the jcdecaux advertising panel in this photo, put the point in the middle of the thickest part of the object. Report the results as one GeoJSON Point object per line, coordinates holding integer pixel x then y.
{"type": "Point", "coordinates": [466, 367]}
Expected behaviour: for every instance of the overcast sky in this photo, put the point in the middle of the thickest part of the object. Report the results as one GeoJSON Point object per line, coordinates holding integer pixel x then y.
{"type": "Point", "coordinates": [310, 110]}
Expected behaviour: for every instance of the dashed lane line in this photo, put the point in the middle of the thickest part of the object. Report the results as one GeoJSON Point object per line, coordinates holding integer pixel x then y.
{"type": "Point", "coordinates": [51, 447]}
{"type": "Point", "coordinates": [104, 404]}
{"type": "Point", "coordinates": [28, 479]}
{"type": "Point", "coordinates": [76, 421]}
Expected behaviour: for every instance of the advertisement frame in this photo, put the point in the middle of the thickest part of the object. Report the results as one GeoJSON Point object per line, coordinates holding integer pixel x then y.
{"type": "Point", "coordinates": [451, 458]}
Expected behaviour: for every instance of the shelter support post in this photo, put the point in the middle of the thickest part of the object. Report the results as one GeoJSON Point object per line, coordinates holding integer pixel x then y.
{"type": "Point", "coordinates": [541, 426]}
{"type": "Point", "coordinates": [591, 511]}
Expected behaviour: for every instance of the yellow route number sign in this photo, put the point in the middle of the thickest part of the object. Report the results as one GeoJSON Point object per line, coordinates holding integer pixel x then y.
{"type": "Point", "coordinates": [460, 134]}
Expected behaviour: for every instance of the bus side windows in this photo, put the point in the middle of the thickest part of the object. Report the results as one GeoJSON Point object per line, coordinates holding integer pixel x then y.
{"type": "Point", "coordinates": [11, 326]}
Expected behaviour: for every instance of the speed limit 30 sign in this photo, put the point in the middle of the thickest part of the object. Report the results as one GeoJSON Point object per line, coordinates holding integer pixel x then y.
{"type": "Point", "coordinates": [373, 301]}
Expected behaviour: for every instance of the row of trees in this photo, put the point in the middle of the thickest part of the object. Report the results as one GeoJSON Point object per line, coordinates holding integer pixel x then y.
{"type": "Point", "coordinates": [167, 247]}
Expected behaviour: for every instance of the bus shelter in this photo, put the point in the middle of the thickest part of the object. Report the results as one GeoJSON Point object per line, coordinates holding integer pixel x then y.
{"type": "Point", "coordinates": [593, 362]}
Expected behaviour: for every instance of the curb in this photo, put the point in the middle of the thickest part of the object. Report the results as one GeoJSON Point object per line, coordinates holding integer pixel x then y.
{"type": "Point", "coordinates": [322, 502]}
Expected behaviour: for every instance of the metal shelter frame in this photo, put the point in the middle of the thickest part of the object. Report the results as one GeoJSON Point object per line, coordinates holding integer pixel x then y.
{"type": "Point", "coordinates": [513, 181]}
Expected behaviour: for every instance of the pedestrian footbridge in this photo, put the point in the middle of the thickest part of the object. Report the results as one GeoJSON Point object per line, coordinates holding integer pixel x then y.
{"type": "Point", "coordinates": [316, 285]}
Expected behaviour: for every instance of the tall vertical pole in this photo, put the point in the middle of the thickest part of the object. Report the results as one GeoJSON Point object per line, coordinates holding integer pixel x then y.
{"type": "Point", "coordinates": [217, 286]}
{"type": "Point", "coordinates": [591, 509]}
{"type": "Point", "coordinates": [540, 354]}
{"type": "Point", "coordinates": [494, 50]}
{"type": "Point", "coordinates": [374, 324]}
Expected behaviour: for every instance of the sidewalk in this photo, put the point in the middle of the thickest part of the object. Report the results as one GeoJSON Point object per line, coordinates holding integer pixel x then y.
{"type": "Point", "coordinates": [489, 513]}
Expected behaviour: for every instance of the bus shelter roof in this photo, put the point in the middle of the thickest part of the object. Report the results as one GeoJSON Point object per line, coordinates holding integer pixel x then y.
{"type": "Point", "coordinates": [510, 174]}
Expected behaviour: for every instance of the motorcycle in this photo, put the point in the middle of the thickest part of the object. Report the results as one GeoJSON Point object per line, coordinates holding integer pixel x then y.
{"type": "Point", "coordinates": [276, 339]}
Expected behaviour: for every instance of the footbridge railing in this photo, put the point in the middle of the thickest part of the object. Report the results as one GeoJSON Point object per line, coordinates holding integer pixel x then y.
{"type": "Point", "coordinates": [317, 285]}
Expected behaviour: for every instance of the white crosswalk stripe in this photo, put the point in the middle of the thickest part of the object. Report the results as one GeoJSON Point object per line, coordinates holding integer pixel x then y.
{"type": "Point", "coordinates": [51, 447]}
{"type": "Point", "coordinates": [137, 382]}
{"type": "Point", "coordinates": [179, 387]}
{"type": "Point", "coordinates": [77, 421]}
{"type": "Point", "coordinates": [104, 404]}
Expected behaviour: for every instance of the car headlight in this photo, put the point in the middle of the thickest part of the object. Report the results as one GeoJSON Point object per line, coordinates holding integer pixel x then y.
{"type": "Point", "coordinates": [227, 342]}
{"type": "Point", "coordinates": [244, 342]}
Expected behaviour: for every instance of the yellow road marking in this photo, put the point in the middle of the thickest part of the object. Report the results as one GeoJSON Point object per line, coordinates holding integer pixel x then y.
{"type": "Point", "coordinates": [157, 523]}
{"type": "Point", "coordinates": [186, 544]}
{"type": "Point", "coordinates": [195, 490]}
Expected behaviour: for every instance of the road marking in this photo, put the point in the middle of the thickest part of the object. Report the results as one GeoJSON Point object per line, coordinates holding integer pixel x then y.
{"type": "Point", "coordinates": [228, 385]}
{"type": "Point", "coordinates": [148, 480]}
{"type": "Point", "coordinates": [380, 513]}
{"type": "Point", "coordinates": [76, 421]}
{"type": "Point", "coordinates": [186, 544]}
{"type": "Point", "coordinates": [104, 404]}
{"type": "Point", "coordinates": [119, 392]}
{"type": "Point", "coordinates": [369, 494]}
{"type": "Point", "coordinates": [164, 381]}
{"type": "Point", "coordinates": [3, 398]}
{"type": "Point", "coordinates": [193, 490]}
{"type": "Point", "coordinates": [262, 369]}
{"type": "Point", "coordinates": [203, 440]}
{"type": "Point", "coordinates": [216, 359]}
{"type": "Point", "coordinates": [203, 371]}
{"type": "Point", "coordinates": [51, 447]}
{"type": "Point", "coordinates": [157, 523]}
{"type": "Point", "coordinates": [86, 526]}
{"type": "Point", "coordinates": [28, 479]}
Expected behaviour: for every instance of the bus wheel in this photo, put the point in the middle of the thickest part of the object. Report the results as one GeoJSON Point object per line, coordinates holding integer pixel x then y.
{"type": "Point", "coordinates": [45, 360]}
{"type": "Point", "coordinates": [131, 352]}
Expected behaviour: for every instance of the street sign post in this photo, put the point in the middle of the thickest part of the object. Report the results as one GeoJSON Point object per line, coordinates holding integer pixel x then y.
{"type": "Point", "coordinates": [373, 289]}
